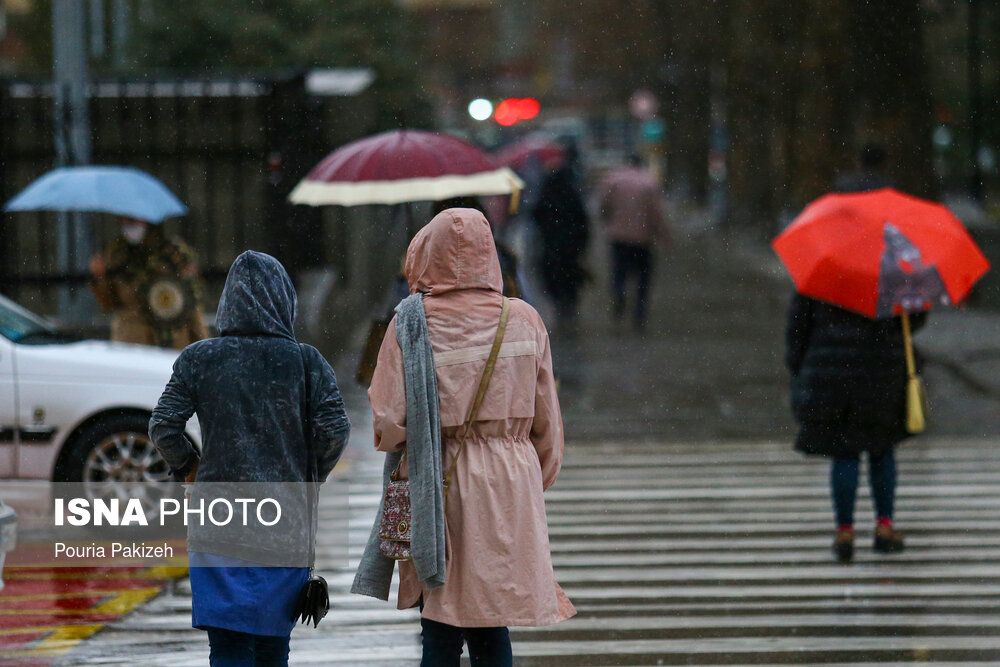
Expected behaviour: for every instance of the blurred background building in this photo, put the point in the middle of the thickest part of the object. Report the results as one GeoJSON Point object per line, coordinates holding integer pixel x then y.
{"type": "Point", "coordinates": [748, 108]}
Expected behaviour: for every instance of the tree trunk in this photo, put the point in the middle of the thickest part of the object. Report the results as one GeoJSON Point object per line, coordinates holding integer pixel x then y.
{"type": "Point", "coordinates": [891, 82]}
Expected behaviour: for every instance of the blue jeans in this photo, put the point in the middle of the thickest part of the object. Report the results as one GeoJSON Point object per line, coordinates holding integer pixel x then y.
{"type": "Point", "coordinates": [229, 648]}
{"type": "Point", "coordinates": [488, 647]}
{"type": "Point", "coordinates": [844, 485]}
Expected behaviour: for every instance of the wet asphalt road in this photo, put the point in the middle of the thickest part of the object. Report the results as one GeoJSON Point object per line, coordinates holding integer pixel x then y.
{"type": "Point", "coordinates": [683, 527]}
{"type": "Point", "coordinates": [682, 554]}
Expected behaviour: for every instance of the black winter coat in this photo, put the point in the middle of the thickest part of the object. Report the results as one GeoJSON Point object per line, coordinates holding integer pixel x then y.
{"type": "Point", "coordinates": [848, 388]}
{"type": "Point", "coordinates": [247, 387]}
{"type": "Point", "coordinates": [564, 229]}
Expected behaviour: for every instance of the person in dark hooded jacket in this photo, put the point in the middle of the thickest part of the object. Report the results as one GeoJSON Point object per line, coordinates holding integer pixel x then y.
{"type": "Point", "coordinates": [248, 387]}
{"type": "Point", "coordinates": [563, 227]}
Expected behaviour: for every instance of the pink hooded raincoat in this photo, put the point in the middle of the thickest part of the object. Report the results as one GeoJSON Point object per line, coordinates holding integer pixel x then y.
{"type": "Point", "coordinates": [499, 569]}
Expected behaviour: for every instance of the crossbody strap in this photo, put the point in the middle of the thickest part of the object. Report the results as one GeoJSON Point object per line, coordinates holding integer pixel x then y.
{"type": "Point", "coordinates": [911, 367]}
{"type": "Point", "coordinates": [491, 362]}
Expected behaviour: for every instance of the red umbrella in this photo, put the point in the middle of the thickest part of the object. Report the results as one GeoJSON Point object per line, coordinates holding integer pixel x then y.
{"type": "Point", "coordinates": [880, 253]}
{"type": "Point", "coordinates": [403, 166]}
{"type": "Point", "coordinates": [517, 154]}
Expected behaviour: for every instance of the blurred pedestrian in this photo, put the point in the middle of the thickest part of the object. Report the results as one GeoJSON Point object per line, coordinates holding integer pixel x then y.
{"type": "Point", "coordinates": [631, 203]}
{"type": "Point", "coordinates": [248, 387]}
{"type": "Point", "coordinates": [490, 512]}
{"type": "Point", "coordinates": [564, 230]}
{"type": "Point", "coordinates": [870, 174]}
{"type": "Point", "coordinates": [150, 283]}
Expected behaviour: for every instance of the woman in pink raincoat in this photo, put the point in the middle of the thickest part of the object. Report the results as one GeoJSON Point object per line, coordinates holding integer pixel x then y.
{"type": "Point", "coordinates": [498, 571]}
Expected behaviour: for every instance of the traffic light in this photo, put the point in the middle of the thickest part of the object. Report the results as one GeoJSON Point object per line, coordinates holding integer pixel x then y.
{"type": "Point", "coordinates": [516, 109]}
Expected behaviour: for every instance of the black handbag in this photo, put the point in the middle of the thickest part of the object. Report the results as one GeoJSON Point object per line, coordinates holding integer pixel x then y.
{"type": "Point", "coordinates": [313, 602]}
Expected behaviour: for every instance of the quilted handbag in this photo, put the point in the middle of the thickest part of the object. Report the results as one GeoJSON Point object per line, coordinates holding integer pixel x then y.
{"type": "Point", "coordinates": [394, 530]}
{"type": "Point", "coordinates": [395, 526]}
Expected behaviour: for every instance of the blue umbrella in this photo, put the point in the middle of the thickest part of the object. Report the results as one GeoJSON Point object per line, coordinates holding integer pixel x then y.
{"type": "Point", "coordinates": [124, 191]}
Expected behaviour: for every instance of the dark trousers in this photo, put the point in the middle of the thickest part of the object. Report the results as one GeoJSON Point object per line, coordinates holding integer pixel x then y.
{"type": "Point", "coordinates": [844, 485]}
{"type": "Point", "coordinates": [628, 260]}
{"type": "Point", "coordinates": [488, 647]}
{"type": "Point", "coordinates": [229, 648]}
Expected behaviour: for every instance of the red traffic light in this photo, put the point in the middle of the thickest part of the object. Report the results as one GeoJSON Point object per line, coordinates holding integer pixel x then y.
{"type": "Point", "coordinates": [515, 109]}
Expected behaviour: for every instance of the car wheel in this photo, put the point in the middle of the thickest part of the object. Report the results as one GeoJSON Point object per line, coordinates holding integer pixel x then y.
{"type": "Point", "coordinates": [114, 458]}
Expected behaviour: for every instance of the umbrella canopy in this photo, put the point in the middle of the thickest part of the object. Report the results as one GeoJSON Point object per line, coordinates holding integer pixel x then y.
{"type": "Point", "coordinates": [122, 191]}
{"type": "Point", "coordinates": [403, 166]}
{"type": "Point", "coordinates": [880, 253]}
{"type": "Point", "coordinates": [517, 154]}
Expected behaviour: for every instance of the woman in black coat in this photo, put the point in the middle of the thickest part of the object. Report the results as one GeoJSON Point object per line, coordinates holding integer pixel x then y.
{"type": "Point", "coordinates": [563, 227]}
{"type": "Point", "coordinates": [848, 395]}
{"type": "Point", "coordinates": [250, 390]}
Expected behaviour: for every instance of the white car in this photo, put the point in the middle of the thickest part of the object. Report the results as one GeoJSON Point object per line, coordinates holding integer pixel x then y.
{"type": "Point", "coordinates": [8, 534]}
{"type": "Point", "coordinates": [77, 411]}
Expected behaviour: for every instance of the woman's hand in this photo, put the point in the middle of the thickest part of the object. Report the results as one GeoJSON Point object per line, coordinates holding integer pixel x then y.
{"type": "Point", "coordinates": [190, 480]}
{"type": "Point", "coordinates": [97, 266]}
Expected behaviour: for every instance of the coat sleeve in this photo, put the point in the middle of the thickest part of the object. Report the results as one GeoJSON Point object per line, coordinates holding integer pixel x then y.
{"type": "Point", "coordinates": [330, 425]}
{"type": "Point", "coordinates": [170, 418]}
{"type": "Point", "coordinates": [604, 201]}
{"type": "Point", "coordinates": [387, 394]}
{"type": "Point", "coordinates": [104, 293]}
{"type": "Point", "coordinates": [661, 221]}
{"type": "Point", "coordinates": [797, 333]}
{"type": "Point", "coordinates": [547, 426]}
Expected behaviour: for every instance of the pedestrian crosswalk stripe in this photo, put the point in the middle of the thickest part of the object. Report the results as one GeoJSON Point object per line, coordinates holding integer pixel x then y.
{"type": "Point", "coordinates": [695, 554]}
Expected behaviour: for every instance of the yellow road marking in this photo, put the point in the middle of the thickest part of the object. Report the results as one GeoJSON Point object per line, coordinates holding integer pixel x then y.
{"type": "Point", "coordinates": [57, 596]}
{"type": "Point", "coordinates": [120, 602]}
{"type": "Point", "coordinates": [165, 572]}
{"type": "Point", "coordinates": [65, 637]}
{"type": "Point", "coordinates": [154, 573]}
{"type": "Point", "coordinates": [125, 601]}
{"type": "Point", "coordinates": [31, 630]}
{"type": "Point", "coordinates": [62, 639]}
{"type": "Point", "coordinates": [45, 612]}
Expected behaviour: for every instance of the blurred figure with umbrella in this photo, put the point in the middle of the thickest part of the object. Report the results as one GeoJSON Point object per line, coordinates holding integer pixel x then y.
{"type": "Point", "coordinates": [149, 281]}
{"type": "Point", "coordinates": [865, 265]}
{"type": "Point", "coordinates": [401, 167]}
{"type": "Point", "coordinates": [564, 230]}
{"type": "Point", "coordinates": [869, 175]}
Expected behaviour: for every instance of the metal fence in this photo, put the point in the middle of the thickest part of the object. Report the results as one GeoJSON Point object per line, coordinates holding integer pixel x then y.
{"type": "Point", "coordinates": [231, 149]}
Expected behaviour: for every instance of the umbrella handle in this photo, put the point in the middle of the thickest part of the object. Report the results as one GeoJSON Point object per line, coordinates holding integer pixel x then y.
{"type": "Point", "coordinates": [515, 199]}
{"type": "Point", "coordinates": [911, 369]}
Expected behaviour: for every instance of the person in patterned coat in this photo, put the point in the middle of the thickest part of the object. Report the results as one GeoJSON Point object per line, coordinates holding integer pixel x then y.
{"type": "Point", "coordinates": [150, 283]}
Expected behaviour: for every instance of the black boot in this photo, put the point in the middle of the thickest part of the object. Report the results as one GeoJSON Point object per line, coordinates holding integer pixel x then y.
{"type": "Point", "coordinates": [888, 540]}
{"type": "Point", "coordinates": [843, 546]}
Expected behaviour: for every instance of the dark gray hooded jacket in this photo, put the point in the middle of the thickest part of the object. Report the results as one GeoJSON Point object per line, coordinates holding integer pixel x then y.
{"type": "Point", "coordinates": [247, 387]}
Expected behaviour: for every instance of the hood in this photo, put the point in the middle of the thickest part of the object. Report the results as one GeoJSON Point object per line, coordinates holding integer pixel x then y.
{"type": "Point", "coordinates": [454, 251]}
{"type": "Point", "coordinates": [258, 298]}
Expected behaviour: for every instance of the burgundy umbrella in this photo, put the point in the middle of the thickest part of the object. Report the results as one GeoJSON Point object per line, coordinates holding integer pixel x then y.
{"type": "Point", "coordinates": [517, 154]}
{"type": "Point", "coordinates": [403, 166]}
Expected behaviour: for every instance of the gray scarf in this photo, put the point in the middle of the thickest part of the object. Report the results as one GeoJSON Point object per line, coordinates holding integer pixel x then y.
{"type": "Point", "coordinates": [423, 442]}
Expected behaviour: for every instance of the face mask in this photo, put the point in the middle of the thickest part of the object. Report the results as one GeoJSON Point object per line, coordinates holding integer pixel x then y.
{"type": "Point", "coordinates": [134, 234]}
